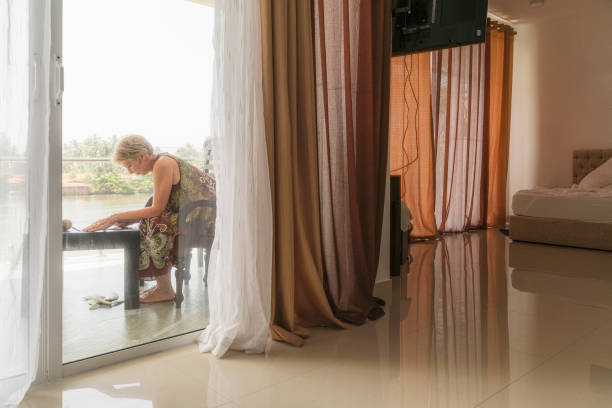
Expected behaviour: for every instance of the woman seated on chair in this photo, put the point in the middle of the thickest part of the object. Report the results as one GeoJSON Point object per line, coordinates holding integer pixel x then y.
{"type": "Point", "coordinates": [176, 183]}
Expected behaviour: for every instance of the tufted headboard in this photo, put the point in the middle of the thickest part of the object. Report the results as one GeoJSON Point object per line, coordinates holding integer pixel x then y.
{"type": "Point", "coordinates": [585, 161]}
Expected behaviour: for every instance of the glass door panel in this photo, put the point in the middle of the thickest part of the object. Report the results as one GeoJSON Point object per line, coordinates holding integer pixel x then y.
{"type": "Point", "coordinates": [131, 67]}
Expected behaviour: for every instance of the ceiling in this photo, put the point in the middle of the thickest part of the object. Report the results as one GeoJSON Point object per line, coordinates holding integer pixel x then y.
{"type": "Point", "coordinates": [520, 12]}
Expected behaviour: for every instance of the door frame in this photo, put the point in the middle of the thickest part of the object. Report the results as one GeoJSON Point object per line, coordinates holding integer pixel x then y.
{"type": "Point", "coordinates": [52, 295]}
{"type": "Point", "coordinates": [51, 366]}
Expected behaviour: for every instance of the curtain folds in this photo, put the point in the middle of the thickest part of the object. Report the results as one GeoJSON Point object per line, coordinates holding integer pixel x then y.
{"type": "Point", "coordinates": [458, 88]}
{"type": "Point", "coordinates": [411, 147]}
{"type": "Point", "coordinates": [352, 51]}
{"type": "Point", "coordinates": [500, 53]}
{"type": "Point", "coordinates": [241, 258]}
{"type": "Point", "coordinates": [456, 330]}
{"type": "Point", "coordinates": [299, 299]}
{"type": "Point", "coordinates": [450, 139]}
{"type": "Point", "coordinates": [25, 51]}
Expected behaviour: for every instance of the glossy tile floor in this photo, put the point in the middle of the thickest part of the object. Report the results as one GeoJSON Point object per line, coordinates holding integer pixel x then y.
{"type": "Point", "coordinates": [88, 333]}
{"type": "Point", "coordinates": [476, 321]}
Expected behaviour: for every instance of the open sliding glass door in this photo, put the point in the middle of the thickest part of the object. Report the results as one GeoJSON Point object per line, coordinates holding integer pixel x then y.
{"type": "Point", "coordinates": [154, 61]}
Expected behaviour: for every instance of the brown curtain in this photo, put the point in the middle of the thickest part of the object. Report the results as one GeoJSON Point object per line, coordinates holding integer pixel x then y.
{"type": "Point", "coordinates": [461, 152]}
{"type": "Point", "coordinates": [298, 296]}
{"type": "Point", "coordinates": [352, 48]}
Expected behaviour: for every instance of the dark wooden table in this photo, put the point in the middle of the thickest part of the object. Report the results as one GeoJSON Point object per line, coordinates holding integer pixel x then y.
{"type": "Point", "coordinates": [128, 239]}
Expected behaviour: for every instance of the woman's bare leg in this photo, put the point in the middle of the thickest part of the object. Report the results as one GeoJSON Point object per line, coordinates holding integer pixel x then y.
{"type": "Point", "coordinates": [163, 292]}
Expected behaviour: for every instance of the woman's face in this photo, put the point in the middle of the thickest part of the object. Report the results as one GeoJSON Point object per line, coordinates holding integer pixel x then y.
{"type": "Point", "coordinates": [136, 166]}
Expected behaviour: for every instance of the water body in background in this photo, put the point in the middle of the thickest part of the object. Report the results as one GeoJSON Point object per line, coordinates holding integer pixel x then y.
{"type": "Point", "coordinates": [85, 209]}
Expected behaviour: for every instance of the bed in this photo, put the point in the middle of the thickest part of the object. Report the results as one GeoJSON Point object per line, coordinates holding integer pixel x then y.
{"type": "Point", "coordinates": [566, 216]}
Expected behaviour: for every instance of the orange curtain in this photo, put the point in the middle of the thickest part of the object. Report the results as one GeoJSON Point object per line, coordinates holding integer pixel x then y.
{"type": "Point", "coordinates": [411, 150]}
{"type": "Point", "coordinates": [500, 51]}
{"type": "Point", "coordinates": [449, 134]}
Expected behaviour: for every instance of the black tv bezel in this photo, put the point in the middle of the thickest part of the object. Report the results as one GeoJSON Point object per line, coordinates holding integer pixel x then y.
{"type": "Point", "coordinates": [441, 37]}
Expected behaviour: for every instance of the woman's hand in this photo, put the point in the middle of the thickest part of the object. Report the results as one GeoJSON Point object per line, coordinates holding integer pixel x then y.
{"type": "Point", "coordinates": [102, 224]}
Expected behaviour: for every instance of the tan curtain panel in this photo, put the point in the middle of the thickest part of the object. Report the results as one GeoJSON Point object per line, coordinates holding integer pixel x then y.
{"type": "Point", "coordinates": [352, 48]}
{"type": "Point", "coordinates": [449, 140]}
{"type": "Point", "coordinates": [298, 296]}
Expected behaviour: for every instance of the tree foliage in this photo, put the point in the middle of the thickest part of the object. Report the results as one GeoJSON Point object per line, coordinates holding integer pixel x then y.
{"type": "Point", "coordinates": [105, 177]}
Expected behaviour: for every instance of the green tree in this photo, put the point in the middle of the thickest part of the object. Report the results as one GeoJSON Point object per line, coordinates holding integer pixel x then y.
{"type": "Point", "coordinates": [103, 177]}
{"type": "Point", "coordinates": [190, 152]}
{"type": "Point", "coordinates": [92, 146]}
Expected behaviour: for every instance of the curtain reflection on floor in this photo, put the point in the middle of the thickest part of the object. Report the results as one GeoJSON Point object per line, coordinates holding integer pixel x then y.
{"type": "Point", "coordinates": [454, 337]}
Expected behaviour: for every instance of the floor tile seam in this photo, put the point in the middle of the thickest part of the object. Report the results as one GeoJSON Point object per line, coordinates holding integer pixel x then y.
{"type": "Point", "coordinates": [226, 401]}
{"type": "Point", "coordinates": [542, 363]}
{"type": "Point", "coordinates": [528, 353]}
{"type": "Point", "coordinates": [226, 404]}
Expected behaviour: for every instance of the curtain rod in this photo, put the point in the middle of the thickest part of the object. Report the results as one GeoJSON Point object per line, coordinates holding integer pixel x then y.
{"type": "Point", "coordinates": [496, 25]}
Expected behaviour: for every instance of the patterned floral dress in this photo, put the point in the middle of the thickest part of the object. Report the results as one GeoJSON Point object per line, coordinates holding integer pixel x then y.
{"type": "Point", "coordinates": [157, 234]}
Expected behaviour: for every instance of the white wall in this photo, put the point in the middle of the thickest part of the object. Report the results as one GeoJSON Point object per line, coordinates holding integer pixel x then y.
{"type": "Point", "coordinates": [562, 95]}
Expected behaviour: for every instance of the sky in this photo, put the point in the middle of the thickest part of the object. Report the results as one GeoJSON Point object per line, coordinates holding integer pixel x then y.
{"type": "Point", "coordinates": [138, 66]}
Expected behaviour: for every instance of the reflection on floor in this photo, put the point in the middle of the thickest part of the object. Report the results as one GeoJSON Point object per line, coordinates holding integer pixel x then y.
{"type": "Point", "coordinates": [88, 333]}
{"type": "Point", "coordinates": [463, 329]}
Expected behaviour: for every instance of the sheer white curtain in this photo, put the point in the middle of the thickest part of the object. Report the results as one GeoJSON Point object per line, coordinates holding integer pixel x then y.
{"type": "Point", "coordinates": [24, 129]}
{"type": "Point", "coordinates": [241, 260]}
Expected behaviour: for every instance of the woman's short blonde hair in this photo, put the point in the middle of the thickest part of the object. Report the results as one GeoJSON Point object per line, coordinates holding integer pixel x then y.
{"type": "Point", "coordinates": [130, 148]}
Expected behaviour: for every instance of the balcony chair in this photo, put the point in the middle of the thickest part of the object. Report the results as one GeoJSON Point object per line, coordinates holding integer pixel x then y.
{"type": "Point", "coordinates": [192, 235]}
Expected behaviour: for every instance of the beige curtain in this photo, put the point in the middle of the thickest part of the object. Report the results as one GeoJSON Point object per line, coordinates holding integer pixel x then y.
{"type": "Point", "coordinates": [298, 296]}
{"type": "Point", "coordinates": [352, 48]}
{"type": "Point", "coordinates": [449, 141]}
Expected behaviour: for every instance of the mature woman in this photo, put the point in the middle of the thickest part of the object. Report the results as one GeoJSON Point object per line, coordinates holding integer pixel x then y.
{"type": "Point", "coordinates": [176, 183]}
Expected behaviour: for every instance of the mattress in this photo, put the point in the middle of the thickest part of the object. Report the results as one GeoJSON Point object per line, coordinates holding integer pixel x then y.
{"type": "Point", "coordinates": [565, 203]}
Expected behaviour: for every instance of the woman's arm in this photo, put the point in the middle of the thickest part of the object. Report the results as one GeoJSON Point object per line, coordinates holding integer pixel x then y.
{"type": "Point", "coordinates": [162, 185]}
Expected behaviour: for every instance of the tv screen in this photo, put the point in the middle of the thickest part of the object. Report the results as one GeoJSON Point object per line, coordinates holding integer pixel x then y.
{"type": "Point", "coordinates": [422, 25]}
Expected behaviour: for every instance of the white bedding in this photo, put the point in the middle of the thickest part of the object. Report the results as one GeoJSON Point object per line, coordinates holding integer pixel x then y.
{"type": "Point", "coordinates": [593, 205]}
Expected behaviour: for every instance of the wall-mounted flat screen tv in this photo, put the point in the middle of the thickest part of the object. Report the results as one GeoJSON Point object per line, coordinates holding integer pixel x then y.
{"type": "Point", "coordinates": [422, 25]}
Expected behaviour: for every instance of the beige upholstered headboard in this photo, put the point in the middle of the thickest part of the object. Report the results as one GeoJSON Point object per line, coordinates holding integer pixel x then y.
{"type": "Point", "coordinates": [585, 161]}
